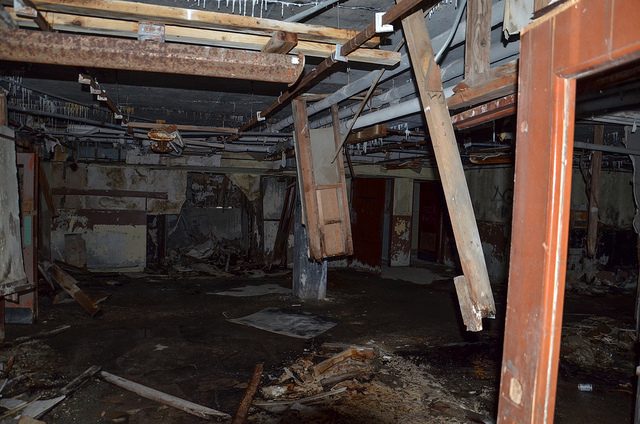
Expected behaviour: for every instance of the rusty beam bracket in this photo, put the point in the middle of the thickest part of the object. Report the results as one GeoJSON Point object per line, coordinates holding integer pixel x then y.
{"type": "Point", "coordinates": [133, 55]}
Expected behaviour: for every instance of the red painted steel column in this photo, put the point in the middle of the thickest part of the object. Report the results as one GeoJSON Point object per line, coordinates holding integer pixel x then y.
{"type": "Point", "coordinates": [576, 39]}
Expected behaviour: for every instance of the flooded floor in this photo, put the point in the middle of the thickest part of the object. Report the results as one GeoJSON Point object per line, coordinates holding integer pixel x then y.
{"type": "Point", "coordinates": [171, 333]}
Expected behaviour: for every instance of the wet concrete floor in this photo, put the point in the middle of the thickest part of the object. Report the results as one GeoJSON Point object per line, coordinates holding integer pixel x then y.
{"type": "Point", "coordinates": [169, 333]}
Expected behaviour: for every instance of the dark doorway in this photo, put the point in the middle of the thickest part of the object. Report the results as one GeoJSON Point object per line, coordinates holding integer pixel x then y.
{"type": "Point", "coordinates": [367, 220]}
{"type": "Point", "coordinates": [431, 221]}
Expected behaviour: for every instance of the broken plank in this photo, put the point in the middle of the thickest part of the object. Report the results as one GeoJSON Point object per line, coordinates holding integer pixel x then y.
{"type": "Point", "coordinates": [429, 82]}
{"type": "Point", "coordinates": [42, 334]}
{"type": "Point", "coordinates": [281, 42]}
{"type": "Point", "coordinates": [38, 408]}
{"type": "Point", "coordinates": [352, 352]}
{"type": "Point", "coordinates": [196, 18]}
{"type": "Point", "coordinates": [164, 398]}
{"type": "Point", "coordinates": [249, 394]}
{"type": "Point", "coordinates": [75, 384]}
{"type": "Point", "coordinates": [208, 37]}
{"type": "Point", "coordinates": [283, 405]}
{"type": "Point", "coordinates": [68, 283]}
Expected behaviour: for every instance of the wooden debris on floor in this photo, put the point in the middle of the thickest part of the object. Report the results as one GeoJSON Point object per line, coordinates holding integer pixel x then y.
{"type": "Point", "coordinates": [28, 411]}
{"type": "Point", "coordinates": [305, 381]}
{"type": "Point", "coordinates": [164, 398]}
{"type": "Point", "coordinates": [69, 284]}
{"type": "Point", "coordinates": [247, 399]}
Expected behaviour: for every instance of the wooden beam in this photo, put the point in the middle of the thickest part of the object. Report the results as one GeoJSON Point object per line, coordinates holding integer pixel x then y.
{"type": "Point", "coordinates": [454, 184]}
{"type": "Point", "coordinates": [114, 53]}
{"type": "Point", "coordinates": [196, 18]}
{"type": "Point", "coordinates": [594, 188]}
{"type": "Point", "coordinates": [499, 108]}
{"type": "Point", "coordinates": [69, 284]}
{"type": "Point", "coordinates": [209, 37]}
{"type": "Point", "coordinates": [164, 398]}
{"type": "Point", "coordinates": [281, 42]}
{"type": "Point", "coordinates": [477, 47]}
{"type": "Point", "coordinates": [311, 78]}
{"type": "Point", "coordinates": [503, 81]}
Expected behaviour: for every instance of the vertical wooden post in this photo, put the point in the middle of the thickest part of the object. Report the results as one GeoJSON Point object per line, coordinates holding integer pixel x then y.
{"type": "Point", "coordinates": [594, 195]}
{"type": "Point", "coordinates": [454, 184]}
{"type": "Point", "coordinates": [477, 48]}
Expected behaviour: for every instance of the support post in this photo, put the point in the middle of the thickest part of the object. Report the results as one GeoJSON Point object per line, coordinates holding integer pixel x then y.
{"type": "Point", "coordinates": [477, 48]}
{"type": "Point", "coordinates": [572, 33]}
{"type": "Point", "coordinates": [454, 184]}
{"type": "Point", "coordinates": [4, 110]}
{"type": "Point", "coordinates": [594, 192]}
{"type": "Point", "coordinates": [400, 252]}
{"type": "Point", "coordinates": [309, 277]}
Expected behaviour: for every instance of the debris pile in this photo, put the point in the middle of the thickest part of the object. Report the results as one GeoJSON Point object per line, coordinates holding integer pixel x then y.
{"type": "Point", "coordinates": [599, 344]}
{"type": "Point", "coordinates": [360, 384]}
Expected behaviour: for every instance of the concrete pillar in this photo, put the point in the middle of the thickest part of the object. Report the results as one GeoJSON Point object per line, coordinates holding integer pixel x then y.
{"type": "Point", "coordinates": [400, 250]}
{"type": "Point", "coordinates": [309, 277]}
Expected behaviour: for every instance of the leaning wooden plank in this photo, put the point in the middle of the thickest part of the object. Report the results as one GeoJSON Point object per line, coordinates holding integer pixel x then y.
{"type": "Point", "coordinates": [68, 283]}
{"type": "Point", "coordinates": [196, 18]}
{"type": "Point", "coordinates": [247, 399]}
{"type": "Point", "coordinates": [164, 398]}
{"type": "Point", "coordinates": [208, 37]}
{"type": "Point", "coordinates": [445, 147]}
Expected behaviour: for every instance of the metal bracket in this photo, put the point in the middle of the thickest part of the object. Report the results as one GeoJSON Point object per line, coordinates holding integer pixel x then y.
{"type": "Point", "coordinates": [337, 55]}
{"type": "Point", "coordinates": [24, 10]}
{"type": "Point", "coordinates": [380, 27]}
{"type": "Point", "coordinates": [259, 117]}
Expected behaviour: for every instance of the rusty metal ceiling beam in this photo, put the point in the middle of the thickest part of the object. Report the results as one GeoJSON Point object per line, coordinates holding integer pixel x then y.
{"type": "Point", "coordinates": [114, 53]}
{"type": "Point", "coordinates": [393, 14]}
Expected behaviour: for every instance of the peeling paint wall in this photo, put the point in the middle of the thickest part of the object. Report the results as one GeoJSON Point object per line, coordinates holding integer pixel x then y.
{"type": "Point", "coordinates": [400, 243]}
{"type": "Point", "coordinates": [113, 227]}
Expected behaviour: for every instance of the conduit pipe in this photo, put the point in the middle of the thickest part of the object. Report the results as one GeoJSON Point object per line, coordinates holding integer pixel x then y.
{"type": "Point", "coordinates": [365, 82]}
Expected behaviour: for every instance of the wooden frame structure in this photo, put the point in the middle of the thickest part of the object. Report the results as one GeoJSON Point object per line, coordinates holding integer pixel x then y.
{"type": "Point", "coordinates": [576, 39]}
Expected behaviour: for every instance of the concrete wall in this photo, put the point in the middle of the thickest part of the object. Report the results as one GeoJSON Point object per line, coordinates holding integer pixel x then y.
{"type": "Point", "coordinates": [112, 227]}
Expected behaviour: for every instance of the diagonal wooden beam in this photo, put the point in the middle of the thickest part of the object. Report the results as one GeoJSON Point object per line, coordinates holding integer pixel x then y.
{"type": "Point", "coordinates": [445, 147]}
{"type": "Point", "coordinates": [114, 53]}
{"type": "Point", "coordinates": [281, 42]}
{"type": "Point", "coordinates": [26, 8]}
{"type": "Point", "coordinates": [393, 14]}
{"type": "Point", "coordinates": [195, 18]}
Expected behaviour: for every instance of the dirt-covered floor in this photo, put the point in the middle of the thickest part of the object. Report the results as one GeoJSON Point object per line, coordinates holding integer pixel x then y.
{"type": "Point", "coordinates": [170, 333]}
